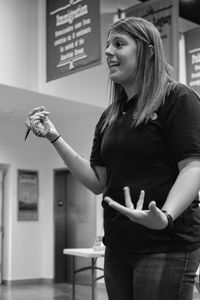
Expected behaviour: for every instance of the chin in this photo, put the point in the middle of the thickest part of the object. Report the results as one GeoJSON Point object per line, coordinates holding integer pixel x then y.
{"type": "Point", "coordinates": [115, 78]}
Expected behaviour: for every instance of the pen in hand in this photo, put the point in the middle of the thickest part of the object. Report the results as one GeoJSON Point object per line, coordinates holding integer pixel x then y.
{"type": "Point", "coordinates": [27, 133]}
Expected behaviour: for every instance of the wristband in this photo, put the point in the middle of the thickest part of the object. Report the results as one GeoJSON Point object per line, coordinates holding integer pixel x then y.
{"type": "Point", "coordinates": [56, 138]}
{"type": "Point", "coordinates": [170, 220]}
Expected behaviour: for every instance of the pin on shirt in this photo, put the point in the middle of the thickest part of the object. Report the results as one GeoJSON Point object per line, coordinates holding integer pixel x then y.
{"type": "Point", "coordinates": [154, 116]}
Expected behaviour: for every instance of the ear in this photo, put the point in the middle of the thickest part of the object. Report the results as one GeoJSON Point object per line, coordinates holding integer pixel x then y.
{"type": "Point", "coordinates": [151, 50]}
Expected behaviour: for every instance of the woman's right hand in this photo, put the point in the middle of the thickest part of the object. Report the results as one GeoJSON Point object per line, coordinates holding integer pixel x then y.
{"type": "Point", "coordinates": [39, 118]}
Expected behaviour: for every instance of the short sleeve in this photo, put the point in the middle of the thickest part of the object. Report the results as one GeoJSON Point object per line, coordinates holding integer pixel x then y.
{"type": "Point", "coordinates": [96, 157]}
{"type": "Point", "coordinates": [182, 125]}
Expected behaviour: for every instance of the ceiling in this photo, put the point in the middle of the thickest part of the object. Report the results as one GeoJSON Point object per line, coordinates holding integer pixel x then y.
{"type": "Point", "coordinates": [17, 103]}
{"type": "Point", "coordinates": [190, 10]}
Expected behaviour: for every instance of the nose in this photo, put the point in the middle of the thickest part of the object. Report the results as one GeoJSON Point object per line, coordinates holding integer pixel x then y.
{"type": "Point", "coordinates": [109, 50]}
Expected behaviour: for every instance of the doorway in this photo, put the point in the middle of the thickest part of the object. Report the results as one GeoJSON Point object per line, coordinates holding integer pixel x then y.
{"type": "Point", "coordinates": [74, 225]}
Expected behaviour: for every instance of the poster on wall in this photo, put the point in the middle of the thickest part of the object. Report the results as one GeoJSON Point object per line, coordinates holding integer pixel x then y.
{"type": "Point", "coordinates": [164, 15]}
{"type": "Point", "coordinates": [27, 195]}
{"type": "Point", "coordinates": [192, 52]}
{"type": "Point", "coordinates": [73, 36]}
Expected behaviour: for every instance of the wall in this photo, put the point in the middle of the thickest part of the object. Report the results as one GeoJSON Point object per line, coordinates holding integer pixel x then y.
{"type": "Point", "coordinates": [28, 246]}
{"type": "Point", "coordinates": [19, 43]}
{"type": "Point", "coordinates": [22, 240]}
{"type": "Point", "coordinates": [18, 247]}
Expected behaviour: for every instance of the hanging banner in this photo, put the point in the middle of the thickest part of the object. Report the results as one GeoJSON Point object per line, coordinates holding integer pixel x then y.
{"type": "Point", "coordinates": [164, 15]}
{"type": "Point", "coordinates": [73, 36]}
{"type": "Point", "coordinates": [192, 51]}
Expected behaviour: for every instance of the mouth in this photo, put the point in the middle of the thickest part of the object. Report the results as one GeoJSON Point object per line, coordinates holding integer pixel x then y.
{"type": "Point", "coordinates": [112, 64]}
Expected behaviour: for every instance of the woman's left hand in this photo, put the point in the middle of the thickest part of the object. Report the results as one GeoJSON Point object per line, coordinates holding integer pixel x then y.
{"type": "Point", "coordinates": [152, 218]}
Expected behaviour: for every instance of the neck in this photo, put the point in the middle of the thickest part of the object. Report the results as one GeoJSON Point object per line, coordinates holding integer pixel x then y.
{"type": "Point", "coordinates": [130, 91]}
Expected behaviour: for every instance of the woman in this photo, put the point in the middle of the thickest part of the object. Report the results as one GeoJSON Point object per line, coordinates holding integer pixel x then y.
{"type": "Point", "coordinates": [145, 160]}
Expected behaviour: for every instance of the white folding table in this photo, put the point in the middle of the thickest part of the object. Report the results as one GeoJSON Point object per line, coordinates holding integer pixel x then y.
{"type": "Point", "coordinates": [89, 253]}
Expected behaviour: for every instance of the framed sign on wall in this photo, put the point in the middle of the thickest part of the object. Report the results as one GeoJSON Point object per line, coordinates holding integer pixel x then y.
{"type": "Point", "coordinates": [192, 51]}
{"type": "Point", "coordinates": [27, 195]}
{"type": "Point", "coordinates": [72, 36]}
{"type": "Point", "coordinates": [164, 15]}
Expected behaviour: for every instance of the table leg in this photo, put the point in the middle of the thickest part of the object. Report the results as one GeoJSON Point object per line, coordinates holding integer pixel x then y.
{"type": "Point", "coordinates": [73, 277]}
{"type": "Point", "coordinates": [93, 278]}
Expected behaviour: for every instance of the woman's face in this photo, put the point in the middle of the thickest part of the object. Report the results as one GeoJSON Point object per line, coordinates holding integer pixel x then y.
{"type": "Point", "coordinates": [121, 52]}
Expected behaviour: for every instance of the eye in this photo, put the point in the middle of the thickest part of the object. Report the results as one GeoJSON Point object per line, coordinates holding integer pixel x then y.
{"type": "Point", "coordinates": [107, 45]}
{"type": "Point", "coordinates": [118, 44]}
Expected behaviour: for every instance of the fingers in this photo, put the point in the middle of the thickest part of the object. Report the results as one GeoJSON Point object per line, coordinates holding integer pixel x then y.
{"type": "Point", "coordinates": [108, 200]}
{"type": "Point", "coordinates": [38, 113]}
{"type": "Point", "coordinates": [152, 207]}
{"type": "Point", "coordinates": [127, 196]}
{"type": "Point", "coordinates": [120, 208]}
{"type": "Point", "coordinates": [38, 110]}
{"type": "Point", "coordinates": [140, 202]}
{"type": "Point", "coordinates": [128, 201]}
{"type": "Point", "coordinates": [35, 110]}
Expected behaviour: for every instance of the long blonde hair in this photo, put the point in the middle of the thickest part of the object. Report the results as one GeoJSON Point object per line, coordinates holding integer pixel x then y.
{"type": "Point", "coordinates": [154, 75]}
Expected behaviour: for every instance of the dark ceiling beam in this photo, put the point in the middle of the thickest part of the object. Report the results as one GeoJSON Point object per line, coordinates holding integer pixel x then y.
{"type": "Point", "coordinates": [189, 10]}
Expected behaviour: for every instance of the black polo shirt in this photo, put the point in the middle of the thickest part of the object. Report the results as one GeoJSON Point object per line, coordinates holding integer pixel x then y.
{"type": "Point", "coordinates": [146, 158]}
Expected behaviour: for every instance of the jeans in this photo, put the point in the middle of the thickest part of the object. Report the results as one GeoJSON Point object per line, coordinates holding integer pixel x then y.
{"type": "Point", "coordinates": [157, 276]}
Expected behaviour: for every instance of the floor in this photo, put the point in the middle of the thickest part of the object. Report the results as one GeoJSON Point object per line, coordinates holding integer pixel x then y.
{"type": "Point", "coordinates": [55, 292]}
{"type": "Point", "coordinates": [49, 292]}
